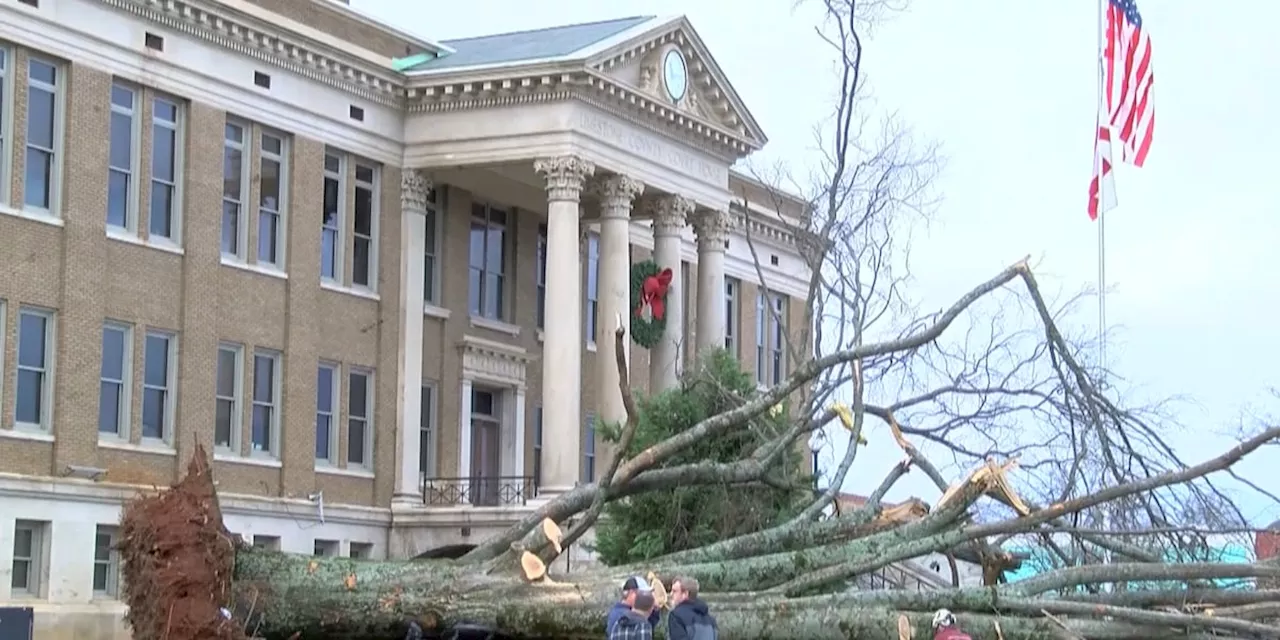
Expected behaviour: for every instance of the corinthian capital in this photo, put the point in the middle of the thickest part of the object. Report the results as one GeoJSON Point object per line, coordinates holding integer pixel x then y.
{"type": "Point", "coordinates": [670, 213]}
{"type": "Point", "coordinates": [712, 226]}
{"type": "Point", "coordinates": [414, 186]}
{"type": "Point", "coordinates": [616, 195]}
{"type": "Point", "coordinates": [565, 176]}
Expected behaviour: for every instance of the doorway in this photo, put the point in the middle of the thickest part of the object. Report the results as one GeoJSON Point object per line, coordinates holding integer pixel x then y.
{"type": "Point", "coordinates": [486, 447]}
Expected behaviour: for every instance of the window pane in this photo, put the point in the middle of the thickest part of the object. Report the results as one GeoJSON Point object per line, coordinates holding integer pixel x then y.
{"type": "Point", "coordinates": [165, 111]}
{"type": "Point", "coordinates": [494, 258]}
{"type": "Point", "coordinates": [222, 424]}
{"type": "Point", "coordinates": [268, 236]}
{"type": "Point", "coordinates": [477, 245]}
{"type": "Point", "coordinates": [329, 253]}
{"type": "Point", "coordinates": [431, 233]}
{"type": "Point", "coordinates": [153, 401]}
{"type": "Point", "coordinates": [324, 390]}
{"type": "Point", "coordinates": [38, 175]}
{"type": "Point", "coordinates": [117, 198]}
{"type": "Point", "coordinates": [121, 141]}
{"type": "Point", "coordinates": [261, 428]}
{"type": "Point", "coordinates": [112, 353]}
{"type": "Point", "coordinates": [359, 396]}
{"type": "Point", "coordinates": [493, 296]}
{"type": "Point", "coordinates": [232, 172]}
{"type": "Point", "coordinates": [40, 114]}
{"type": "Point", "coordinates": [161, 210]}
{"type": "Point", "coordinates": [109, 407]}
{"type": "Point", "coordinates": [121, 96]}
{"type": "Point", "coordinates": [230, 227]}
{"type": "Point", "coordinates": [264, 369]}
{"type": "Point", "coordinates": [331, 202]}
{"type": "Point", "coordinates": [163, 142]}
{"type": "Point", "coordinates": [473, 291]}
{"type": "Point", "coordinates": [364, 174]}
{"type": "Point", "coordinates": [364, 212]}
{"type": "Point", "coordinates": [355, 441]}
{"type": "Point", "coordinates": [30, 396]}
{"type": "Point", "coordinates": [323, 426]}
{"type": "Point", "coordinates": [32, 339]}
{"type": "Point", "coordinates": [360, 262]}
{"type": "Point", "coordinates": [226, 372]}
{"type": "Point", "coordinates": [270, 185]}
{"type": "Point", "coordinates": [157, 361]}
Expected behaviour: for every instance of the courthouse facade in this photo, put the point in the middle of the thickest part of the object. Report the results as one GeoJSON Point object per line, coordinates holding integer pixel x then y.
{"type": "Point", "coordinates": [375, 276]}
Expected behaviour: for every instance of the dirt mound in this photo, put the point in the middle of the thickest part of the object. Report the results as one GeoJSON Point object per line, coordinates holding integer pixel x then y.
{"type": "Point", "coordinates": [178, 560]}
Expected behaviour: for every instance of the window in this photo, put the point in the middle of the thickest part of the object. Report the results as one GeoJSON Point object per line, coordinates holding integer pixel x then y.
{"type": "Point", "coordinates": [589, 450]}
{"type": "Point", "coordinates": [40, 186]}
{"type": "Point", "coordinates": [164, 169]}
{"type": "Point", "coordinates": [114, 380]}
{"type": "Point", "coordinates": [731, 287]}
{"type": "Point", "coordinates": [542, 276]}
{"type": "Point", "coordinates": [488, 261]}
{"type": "Point", "coordinates": [427, 432]}
{"type": "Point", "coordinates": [777, 339]}
{"type": "Point", "coordinates": [271, 201]}
{"type": "Point", "coordinates": [28, 558]}
{"type": "Point", "coordinates": [266, 402]}
{"type": "Point", "coordinates": [159, 352]}
{"type": "Point", "coordinates": [359, 417]}
{"type": "Point", "coordinates": [361, 550]}
{"type": "Point", "coordinates": [762, 336]}
{"type": "Point", "coordinates": [326, 413]}
{"type": "Point", "coordinates": [431, 261]}
{"type": "Point", "coordinates": [327, 548]}
{"type": "Point", "coordinates": [235, 187]}
{"type": "Point", "coordinates": [771, 340]}
{"type": "Point", "coordinates": [688, 304]}
{"type": "Point", "coordinates": [35, 355]}
{"type": "Point", "coordinates": [364, 257]}
{"type": "Point", "coordinates": [106, 562]}
{"type": "Point", "coordinates": [270, 543]}
{"type": "Point", "coordinates": [331, 223]}
{"type": "Point", "coordinates": [122, 201]}
{"type": "Point", "coordinates": [537, 448]}
{"type": "Point", "coordinates": [593, 287]}
{"type": "Point", "coordinates": [226, 427]}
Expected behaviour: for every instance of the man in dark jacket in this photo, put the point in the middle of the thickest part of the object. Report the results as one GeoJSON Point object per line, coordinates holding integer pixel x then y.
{"type": "Point", "coordinates": [689, 618]}
{"type": "Point", "coordinates": [630, 589]}
{"type": "Point", "coordinates": [634, 624]}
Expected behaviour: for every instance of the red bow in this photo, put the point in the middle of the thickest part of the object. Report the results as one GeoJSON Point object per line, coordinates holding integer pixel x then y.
{"type": "Point", "coordinates": [652, 294]}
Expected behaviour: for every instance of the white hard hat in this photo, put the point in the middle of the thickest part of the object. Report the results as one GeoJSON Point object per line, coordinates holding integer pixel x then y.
{"type": "Point", "coordinates": [943, 618]}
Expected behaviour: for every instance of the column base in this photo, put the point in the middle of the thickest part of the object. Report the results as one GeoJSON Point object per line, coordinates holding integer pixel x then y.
{"type": "Point", "coordinates": [406, 500]}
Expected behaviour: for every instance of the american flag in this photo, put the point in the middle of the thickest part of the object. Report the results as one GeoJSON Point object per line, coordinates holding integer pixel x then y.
{"type": "Point", "coordinates": [1126, 113]}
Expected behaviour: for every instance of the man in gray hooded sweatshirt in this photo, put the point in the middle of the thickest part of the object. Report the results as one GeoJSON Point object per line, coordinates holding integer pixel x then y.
{"type": "Point", "coordinates": [689, 618]}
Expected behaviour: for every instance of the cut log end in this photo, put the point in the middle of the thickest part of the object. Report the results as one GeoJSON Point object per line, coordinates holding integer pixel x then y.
{"type": "Point", "coordinates": [553, 533]}
{"type": "Point", "coordinates": [533, 567]}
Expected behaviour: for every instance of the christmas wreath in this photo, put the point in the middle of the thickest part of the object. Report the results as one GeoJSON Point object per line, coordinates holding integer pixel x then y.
{"type": "Point", "coordinates": [649, 286]}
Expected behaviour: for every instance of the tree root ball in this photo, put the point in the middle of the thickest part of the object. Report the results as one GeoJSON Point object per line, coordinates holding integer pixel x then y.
{"type": "Point", "coordinates": [172, 591]}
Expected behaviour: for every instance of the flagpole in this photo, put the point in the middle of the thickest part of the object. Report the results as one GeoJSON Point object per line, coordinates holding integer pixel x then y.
{"type": "Point", "coordinates": [1102, 220]}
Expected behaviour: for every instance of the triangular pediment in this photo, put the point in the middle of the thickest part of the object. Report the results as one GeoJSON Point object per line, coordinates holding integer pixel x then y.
{"type": "Point", "coordinates": [638, 61]}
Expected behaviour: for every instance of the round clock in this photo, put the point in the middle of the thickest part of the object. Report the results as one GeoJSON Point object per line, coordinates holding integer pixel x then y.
{"type": "Point", "coordinates": [674, 75]}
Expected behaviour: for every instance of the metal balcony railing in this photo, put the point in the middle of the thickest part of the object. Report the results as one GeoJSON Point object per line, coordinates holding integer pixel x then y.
{"type": "Point", "coordinates": [479, 491]}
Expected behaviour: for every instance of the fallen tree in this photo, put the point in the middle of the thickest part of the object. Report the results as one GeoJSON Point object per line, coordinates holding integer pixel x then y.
{"type": "Point", "coordinates": [186, 577]}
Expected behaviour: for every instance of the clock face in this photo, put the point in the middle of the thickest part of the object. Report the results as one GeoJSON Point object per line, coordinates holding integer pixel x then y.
{"type": "Point", "coordinates": [674, 76]}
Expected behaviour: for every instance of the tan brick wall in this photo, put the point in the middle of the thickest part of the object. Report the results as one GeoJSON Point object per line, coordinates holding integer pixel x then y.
{"type": "Point", "coordinates": [315, 14]}
{"type": "Point", "coordinates": [87, 278]}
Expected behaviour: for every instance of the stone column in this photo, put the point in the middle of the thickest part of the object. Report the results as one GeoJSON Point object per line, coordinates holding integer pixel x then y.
{"type": "Point", "coordinates": [616, 195]}
{"type": "Point", "coordinates": [562, 335]}
{"type": "Point", "coordinates": [413, 238]}
{"type": "Point", "coordinates": [712, 228]}
{"type": "Point", "coordinates": [669, 215]}
{"type": "Point", "coordinates": [464, 436]}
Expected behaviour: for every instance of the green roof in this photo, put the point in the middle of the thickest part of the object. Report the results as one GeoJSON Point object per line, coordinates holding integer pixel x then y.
{"type": "Point", "coordinates": [523, 46]}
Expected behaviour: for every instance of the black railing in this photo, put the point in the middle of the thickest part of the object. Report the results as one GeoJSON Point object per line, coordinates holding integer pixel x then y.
{"type": "Point", "coordinates": [480, 491]}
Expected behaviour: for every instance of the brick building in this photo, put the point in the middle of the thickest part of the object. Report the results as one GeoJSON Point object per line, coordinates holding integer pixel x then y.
{"type": "Point", "coordinates": [243, 225]}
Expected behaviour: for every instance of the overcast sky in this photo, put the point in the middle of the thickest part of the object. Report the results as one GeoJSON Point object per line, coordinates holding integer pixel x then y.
{"type": "Point", "coordinates": [1009, 90]}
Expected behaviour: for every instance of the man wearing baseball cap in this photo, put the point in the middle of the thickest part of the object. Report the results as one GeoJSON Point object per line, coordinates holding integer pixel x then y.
{"type": "Point", "coordinates": [630, 588]}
